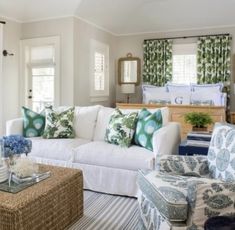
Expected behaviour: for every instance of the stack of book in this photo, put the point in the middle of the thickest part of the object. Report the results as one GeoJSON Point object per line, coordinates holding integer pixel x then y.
{"type": "Point", "coordinates": [201, 139]}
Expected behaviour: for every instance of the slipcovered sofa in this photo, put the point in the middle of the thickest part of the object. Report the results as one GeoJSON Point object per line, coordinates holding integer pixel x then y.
{"type": "Point", "coordinates": [106, 167]}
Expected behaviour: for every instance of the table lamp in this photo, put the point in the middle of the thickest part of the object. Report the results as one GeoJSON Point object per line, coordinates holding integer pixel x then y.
{"type": "Point", "coordinates": [128, 89]}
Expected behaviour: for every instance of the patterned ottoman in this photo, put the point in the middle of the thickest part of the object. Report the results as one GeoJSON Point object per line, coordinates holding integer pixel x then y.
{"type": "Point", "coordinates": [54, 203]}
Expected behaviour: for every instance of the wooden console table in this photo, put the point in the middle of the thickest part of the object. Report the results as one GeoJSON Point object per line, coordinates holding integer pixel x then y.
{"type": "Point", "coordinates": [177, 113]}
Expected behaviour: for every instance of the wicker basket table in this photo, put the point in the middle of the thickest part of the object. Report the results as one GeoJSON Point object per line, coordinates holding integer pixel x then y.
{"type": "Point", "coordinates": [54, 203]}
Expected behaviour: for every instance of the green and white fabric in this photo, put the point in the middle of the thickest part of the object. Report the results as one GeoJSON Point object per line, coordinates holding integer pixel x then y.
{"type": "Point", "coordinates": [214, 62]}
{"type": "Point", "coordinates": [183, 165]}
{"type": "Point", "coordinates": [59, 124]}
{"type": "Point", "coordinates": [157, 62]}
{"type": "Point", "coordinates": [221, 154]}
{"type": "Point", "coordinates": [121, 128]}
{"type": "Point", "coordinates": [33, 123]}
{"type": "Point", "coordinates": [147, 124]}
{"type": "Point", "coordinates": [214, 59]}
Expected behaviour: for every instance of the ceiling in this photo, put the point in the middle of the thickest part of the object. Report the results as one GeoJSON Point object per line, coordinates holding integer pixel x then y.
{"type": "Point", "coordinates": [128, 16]}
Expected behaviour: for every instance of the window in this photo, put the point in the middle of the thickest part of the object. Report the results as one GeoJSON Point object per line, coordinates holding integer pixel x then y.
{"type": "Point", "coordinates": [99, 71]}
{"type": "Point", "coordinates": [184, 63]}
{"type": "Point", "coordinates": [99, 80]}
{"type": "Point", "coordinates": [41, 68]}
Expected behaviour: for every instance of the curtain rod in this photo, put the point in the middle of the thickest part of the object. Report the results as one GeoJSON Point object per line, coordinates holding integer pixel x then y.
{"type": "Point", "coordinates": [2, 22]}
{"type": "Point", "coordinates": [184, 37]}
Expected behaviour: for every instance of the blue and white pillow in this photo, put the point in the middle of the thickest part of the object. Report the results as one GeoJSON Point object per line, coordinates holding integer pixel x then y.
{"type": "Point", "coordinates": [207, 87]}
{"type": "Point", "coordinates": [221, 154]}
{"type": "Point", "coordinates": [173, 87]}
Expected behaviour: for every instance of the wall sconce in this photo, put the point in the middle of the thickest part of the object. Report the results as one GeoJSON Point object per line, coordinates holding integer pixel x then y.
{"type": "Point", "coordinates": [6, 53]}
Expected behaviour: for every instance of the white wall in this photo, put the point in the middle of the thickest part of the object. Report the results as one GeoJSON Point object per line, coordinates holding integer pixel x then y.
{"type": "Point", "coordinates": [11, 38]}
{"type": "Point", "coordinates": [134, 44]}
{"type": "Point", "coordinates": [83, 33]}
{"type": "Point", "coordinates": [62, 27]}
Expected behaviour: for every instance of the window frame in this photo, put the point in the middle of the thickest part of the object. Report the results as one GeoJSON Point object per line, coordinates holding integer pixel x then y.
{"type": "Point", "coordinates": [26, 66]}
{"type": "Point", "coordinates": [184, 49]}
{"type": "Point", "coordinates": [99, 95]}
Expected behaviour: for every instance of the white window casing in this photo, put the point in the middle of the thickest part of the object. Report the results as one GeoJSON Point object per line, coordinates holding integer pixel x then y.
{"type": "Point", "coordinates": [99, 71]}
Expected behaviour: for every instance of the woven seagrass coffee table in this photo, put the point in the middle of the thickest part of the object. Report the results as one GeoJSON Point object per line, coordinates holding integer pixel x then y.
{"type": "Point", "coordinates": [55, 203]}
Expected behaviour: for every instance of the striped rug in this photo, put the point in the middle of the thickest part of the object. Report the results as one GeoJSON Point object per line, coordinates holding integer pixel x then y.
{"type": "Point", "coordinates": [108, 212]}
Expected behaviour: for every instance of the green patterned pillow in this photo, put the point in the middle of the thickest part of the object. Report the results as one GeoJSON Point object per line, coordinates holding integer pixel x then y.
{"type": "Point", "coordinates": [121, 128]}
{"type": "Point", "coordinates": [59, 124]}
{"type": "Point", "coordinates": [33, 123]}
{"type": "Point", "coordinates": [147, 124]}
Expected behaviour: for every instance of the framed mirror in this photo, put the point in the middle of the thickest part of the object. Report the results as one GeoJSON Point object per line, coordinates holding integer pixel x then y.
{"type": "Point", "coordinates": [129, 70]}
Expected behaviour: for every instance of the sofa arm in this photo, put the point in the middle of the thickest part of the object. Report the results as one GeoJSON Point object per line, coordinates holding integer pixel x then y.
{"type": "Point", "coordinates": [14, 126]}
{"type": "Point", "coordinates": [167, 139]}
{"type": "Point", "coordinates": [208, 198]}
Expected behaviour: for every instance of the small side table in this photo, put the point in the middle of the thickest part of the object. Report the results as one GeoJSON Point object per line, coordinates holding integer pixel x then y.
{"type": "Point", "coordinates": [232, 117]}
{"type": "Point", "coordinates": [190, 150]}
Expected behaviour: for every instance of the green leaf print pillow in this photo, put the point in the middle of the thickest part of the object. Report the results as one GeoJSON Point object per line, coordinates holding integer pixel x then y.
{"type": "Point", "coordinates": [121, 128]}
{"type": "Point", "coordinates": [59, 124]}
{"type": "Point", "coordinates": [33, 123]}
{"type": "Point", "coordinates": [147, 124]}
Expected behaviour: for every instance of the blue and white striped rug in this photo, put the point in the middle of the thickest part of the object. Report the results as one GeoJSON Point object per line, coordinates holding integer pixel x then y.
{"type": "Point", "coordinates": [108, 212]}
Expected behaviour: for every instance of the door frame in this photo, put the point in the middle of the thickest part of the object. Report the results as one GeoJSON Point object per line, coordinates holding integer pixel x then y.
{"type": "Point", "coordinates": [25, 45]}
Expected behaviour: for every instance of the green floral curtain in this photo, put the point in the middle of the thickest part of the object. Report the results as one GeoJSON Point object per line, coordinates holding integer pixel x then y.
{"type": "Point", "coordinates": [214, 59]}
{"type": "Point", "coordinates": [214, 62]}
{"type": "Point", "coordinates": [157, 62]}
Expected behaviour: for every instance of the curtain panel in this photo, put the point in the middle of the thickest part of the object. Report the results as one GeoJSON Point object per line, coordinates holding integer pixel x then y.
{"type": "Point", "coordinates": [157, 68]}
{"type": "Point", "coordinates": [214, 59]}
{"type": "Point", "coordinates": [214, 63]}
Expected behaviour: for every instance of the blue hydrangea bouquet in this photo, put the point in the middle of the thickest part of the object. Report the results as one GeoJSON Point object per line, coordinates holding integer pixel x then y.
{"type": "Point", "coordinates": [15, 145]}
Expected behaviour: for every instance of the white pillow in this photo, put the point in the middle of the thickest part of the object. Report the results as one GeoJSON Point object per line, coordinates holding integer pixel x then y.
{"type": "Point", "coordinates": [210, 88]}
{"type": "Point", "coordinates": [173, 87]}
{"type": "Point", "coordinates": [180, 98]}
{"type": "Point", "coordinates": [157, 97]}
{"type": "Point", "coordinates": [215, 97]}
{"type": "Point", "coordinates": [151, 89]}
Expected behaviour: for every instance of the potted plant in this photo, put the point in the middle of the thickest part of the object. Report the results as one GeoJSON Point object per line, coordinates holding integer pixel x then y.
{"type": "Point", "coordinates": [198, 120]}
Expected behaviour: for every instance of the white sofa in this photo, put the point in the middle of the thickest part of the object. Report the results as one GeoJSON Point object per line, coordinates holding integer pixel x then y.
{"type": "Point", "coordinates": [106, 167]}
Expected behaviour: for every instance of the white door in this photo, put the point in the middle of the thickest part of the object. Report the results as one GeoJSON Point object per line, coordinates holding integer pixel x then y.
{"type": "Point", "coordinates": [40, 72]}
{"type": "Point", "coordinates": [41, 87]}
{"type": "Point", "coordinates": [1, 81]}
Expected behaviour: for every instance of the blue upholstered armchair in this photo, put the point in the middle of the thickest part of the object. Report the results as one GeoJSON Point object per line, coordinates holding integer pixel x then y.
{"type": "Point", "coordinates": [185, 191]}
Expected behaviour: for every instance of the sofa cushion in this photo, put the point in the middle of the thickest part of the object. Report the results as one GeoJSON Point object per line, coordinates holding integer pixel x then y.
{"type": "Point", "coordinates": [221, 154]}
{"type": "Point", "coordinates": [33, 123]}
{"type": "Point", "coordinates": [164, 111]}
{"type": "Point", "coordinates": [121, 128]}
{"type": "Point", "coordinates": [103, 118]}
{"type": "Point", "coordinates": [59, 124]}
{"type": "Point", "coordinates": [167, 192]}
{"type": "Point", "coordinates": [105, 113]}
{"type": "Point", "coordinates": [85, 121]}
{"type": "Point", "coordinates": [147, 124]}
{"type": "Point", "coordinates": [104, 154]}
{"type": "Point", "coordinates": [57, 149]}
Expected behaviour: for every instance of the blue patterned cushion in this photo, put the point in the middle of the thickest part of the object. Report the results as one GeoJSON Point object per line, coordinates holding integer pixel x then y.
{"type": "Point", "coordinates": [221, 154]}
{"type": "Point", "coordinates": [183, 165]}
{"type": "Point", "coordinates": [147, 124]}
{"type": "Point", "coordinates": [170, 198]}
